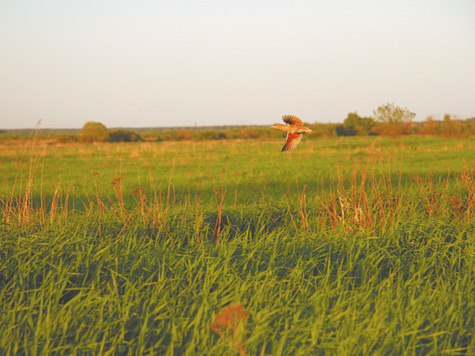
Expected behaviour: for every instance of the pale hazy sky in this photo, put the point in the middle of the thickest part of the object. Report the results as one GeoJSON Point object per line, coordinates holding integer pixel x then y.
{"type": "Point", "coordinates": [219, 62]}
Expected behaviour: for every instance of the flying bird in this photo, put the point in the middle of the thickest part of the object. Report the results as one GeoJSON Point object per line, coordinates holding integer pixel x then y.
{"type": "Point", "coordinates": [294, 129]}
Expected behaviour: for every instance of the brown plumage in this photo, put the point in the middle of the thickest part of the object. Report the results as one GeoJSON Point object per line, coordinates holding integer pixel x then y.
{"type": "Point", "coordinates": [294, 129]}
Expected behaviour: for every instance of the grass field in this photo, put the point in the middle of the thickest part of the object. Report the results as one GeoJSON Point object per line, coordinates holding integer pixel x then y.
{"type": "Point", "coordinates": [348, 246]}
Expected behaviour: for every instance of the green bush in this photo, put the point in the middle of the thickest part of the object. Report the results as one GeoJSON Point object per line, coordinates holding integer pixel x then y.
{"type": "Point", "coordinates": [67, 138]}
{"type": "Point", "coordinates": [120, 135]}
{"type": "Point", "coordinates": [323, 130]}
{"type": "Point", "coordinates": [94, 132]}
{"type": "Point", "coordinates": [354, 125]}
{"type": "Point", "coordinates": [393, 120]}
{"type": "Point", "coordinates": [342, 130]}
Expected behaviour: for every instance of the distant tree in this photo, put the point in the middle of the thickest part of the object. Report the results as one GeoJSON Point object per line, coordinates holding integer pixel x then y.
{"type": "Point", "coordinates": [204, 135]}
{"type": "Point", "coordinates": [120, 135]}
{"type": "Point", "coordinates": [355, 125]}
{"type": "Point", "coordinates": [393, 120]}
{"type": "Point", "coordinates": [342, 130]}
{"type": "Point", "coordinates": [222, 136]}
{"type": "Point", "coordinates": [451, 127]}
{"type": "Point", "coordinates": [94, 132]}
{"type": "Point", "coordinates": [362, 125]}
{"type": "Point", "coordinates": [67, 138]}
{"type": "Point", "coordinates": [429, 127]}
{"type": "Point", "coordinates": [391, 114]}
{"type": "Point", "coordinates": [183, 135]}
{"type": "Point", "coordinates": [253, 132]}
{"type": "Point", "coordinates": [321, 130]}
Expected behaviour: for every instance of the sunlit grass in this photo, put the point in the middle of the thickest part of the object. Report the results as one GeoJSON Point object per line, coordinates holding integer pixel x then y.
{"type": "Point", "coordinates": [344, 246]}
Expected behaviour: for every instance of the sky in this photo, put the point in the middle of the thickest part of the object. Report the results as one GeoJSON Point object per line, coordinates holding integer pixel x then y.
{"type": "Point", "coordinates": [220, 62]}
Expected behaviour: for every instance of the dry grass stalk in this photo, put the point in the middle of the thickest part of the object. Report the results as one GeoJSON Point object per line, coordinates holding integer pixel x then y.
{"type": "Point", "coordinates": [219, 205]}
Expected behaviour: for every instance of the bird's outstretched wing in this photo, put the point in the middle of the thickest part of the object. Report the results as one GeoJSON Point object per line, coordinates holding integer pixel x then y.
{"type": "Point", "coordinates": [292, 120]}
{"type": "Point", "coordinates": [291, 141]}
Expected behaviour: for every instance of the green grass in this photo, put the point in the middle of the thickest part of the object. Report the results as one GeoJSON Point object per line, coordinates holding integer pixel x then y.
{"type": "Point", "coordinates": [355, 246]}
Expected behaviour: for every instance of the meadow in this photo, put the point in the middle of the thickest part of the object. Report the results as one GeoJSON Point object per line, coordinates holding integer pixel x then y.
{"type": "Point", "coordinates": [344, 246]}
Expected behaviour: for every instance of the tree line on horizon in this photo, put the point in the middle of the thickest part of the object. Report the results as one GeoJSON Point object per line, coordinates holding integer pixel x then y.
{"type": "Point", "coordinates": [388, 120]}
